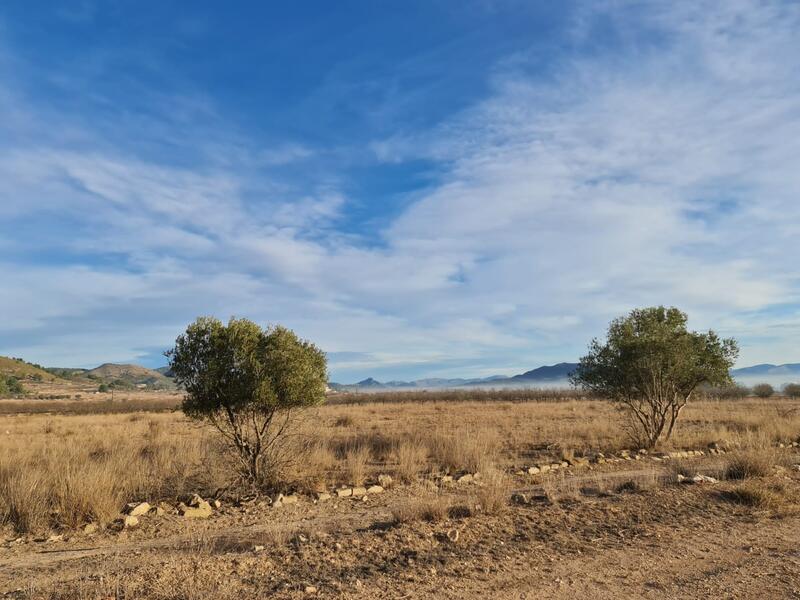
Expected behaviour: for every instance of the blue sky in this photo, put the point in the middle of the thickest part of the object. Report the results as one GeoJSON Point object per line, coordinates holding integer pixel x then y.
{"type": "Point", "coordinates": [422, 188]}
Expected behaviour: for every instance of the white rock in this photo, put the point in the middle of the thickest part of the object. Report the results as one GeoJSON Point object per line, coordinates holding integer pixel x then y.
{"type": "Point", "coordinates": [128, 521]}
{"type": "Point", "coordinates": [137, 509]}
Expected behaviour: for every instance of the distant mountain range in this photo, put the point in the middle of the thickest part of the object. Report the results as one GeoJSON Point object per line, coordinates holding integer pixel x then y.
{"type": "Point", "coordinates": [558, 374]}
{"type": "Point", "coordinates": [553, 374]}
{"type": "Point", "coordinates": [545, 376]}
{"type": "Point", "coordinates": [760, 370]}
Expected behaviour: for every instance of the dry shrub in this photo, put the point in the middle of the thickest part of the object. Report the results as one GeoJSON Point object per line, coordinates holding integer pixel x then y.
{"type": "Point", "coordinates": [312, 471]}
{"type": "Point", "coordinates": [410, 458]}
{"type": "Point", "coordinates": [23, 494]}
{"type": "Point", "coordinates": [344, 421]}
{"type": "Point", "coordinates": [494, 492]}
{"type": "Point", "coordinates": [85, 493]}
{"type": "Point", "coordinates": [757, 462]}
{"type": "Point", "coordinates": [427, 508]}
{"type": "Point", "coordinates": [473, 451]}
{"type": "Point", "coordinates": [773, 498]}
{"type": "Point", "coordinates": [356, 464]}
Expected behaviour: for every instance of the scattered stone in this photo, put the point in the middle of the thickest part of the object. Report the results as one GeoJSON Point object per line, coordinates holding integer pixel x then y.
{"type": "Point", "coordinates": [358, 492]}
{"type": "Point", "coordinates": [466, 478]}
{"type": "Point", "coordinates": [201, 511]}
{"type": "Point", "coordinates": [375, 489]}
{"type": "Point", "coordinates": [385, 480]}
{"type": "Point", "coordinates": [216, 504]}
{"type": "Point", "coordinates": [555, 466]}
{"type": "Point", "coordinates": [704, 479]}
{"type": "Point", "coordinates": [453, 535]}
{"type": "Point", "coordinates": [310, 589]}
{"type": "Point", "coordinates": [520, 498]}
{"type": "Point", "coordinates": [344, 492]}
{"type": "Point", "coordinates": [323, 497]}
{"type": "Point", "coordinates": [445, 479]}
{"type": "Point", "coordinates": [196, 500]}
{"type": "Point", "coordinates": [279, 500]}
{"type": "Point", "coordinates": [258, 549]}
{"type": "Point", "coordinates": [681, 478]}
{"type": "Point", "coordinates": [165, 508]}
{"type": "Point", "coordinates": [158, 511]}
{"type": "Point", "coordinates": [90, 528]}
{"type": "Point", "coordinates": [137, 509]}
{"type": "Point", "coordinates": [533, 470]}
{"type": "Point", "coordinates": [129, 521]}
{"type": "Point", "coordinates": [564, 464]}
{"type": "Point", "coordinates": [55, 538]}
{"type": "Point", "coordinates": [544, 468]}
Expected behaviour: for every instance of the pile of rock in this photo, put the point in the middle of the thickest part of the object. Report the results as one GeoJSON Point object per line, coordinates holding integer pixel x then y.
{"type": "Point", "coordinates": [358, 492]}
{"type": "Point", "coordinates": [197, 508]}
{"type": "Point", "coordinates": [194, 508]}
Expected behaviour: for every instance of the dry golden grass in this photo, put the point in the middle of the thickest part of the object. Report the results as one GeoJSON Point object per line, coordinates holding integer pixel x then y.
{"type": "Point", "coordinates": [494, 492]}
{"type": "Point", "coordinates": [66, 469]}
{"type": "Point", "coordinates": [409, 457]}
{"type": "Point", "coordinates": [761, 495]}
{"type": "Point", "coordinates": [757, 462]}
{"type": "Point", "coordinates": [433, 508]}
{"type": "Point", "coordinates": [63, 472]}
{"type": "Point", "coordinates": [356, 464]}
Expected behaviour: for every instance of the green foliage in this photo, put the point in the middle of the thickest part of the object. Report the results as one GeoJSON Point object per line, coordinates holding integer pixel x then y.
{"type": "Point", "coordinates": [651, 364]}
{"type": "Point", "coordinates": [103, 387]}
{"type": "Point", "coordinates": [763, 390]}
{"type": "Point", "coordinates": [792, 390]}
{"type": "Point", "coordinates": [247, 382]}
{"type": "Point", "coordinates": [10, 386]}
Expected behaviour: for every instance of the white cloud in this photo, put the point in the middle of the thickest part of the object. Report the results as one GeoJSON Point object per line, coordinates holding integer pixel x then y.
{"type": "Point", "coordinates": [656, 172]}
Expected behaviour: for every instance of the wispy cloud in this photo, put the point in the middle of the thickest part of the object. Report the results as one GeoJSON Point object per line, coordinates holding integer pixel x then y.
{"type": "Point", "coordinates": [657, 169]}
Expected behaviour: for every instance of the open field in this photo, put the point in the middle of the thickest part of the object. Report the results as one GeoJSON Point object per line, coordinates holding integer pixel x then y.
{"type": "Point", "coordinates": [601, 520]}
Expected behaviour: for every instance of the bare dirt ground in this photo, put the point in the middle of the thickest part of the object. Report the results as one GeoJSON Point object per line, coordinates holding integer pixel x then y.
{"type": "Point", "coordinates": [668, 541]}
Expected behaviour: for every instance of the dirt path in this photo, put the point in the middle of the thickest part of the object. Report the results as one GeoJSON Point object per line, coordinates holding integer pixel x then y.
{"type": "Point", "coordinates": [669, 542]}
{"type": "Point", "coordinates": [211, 533]}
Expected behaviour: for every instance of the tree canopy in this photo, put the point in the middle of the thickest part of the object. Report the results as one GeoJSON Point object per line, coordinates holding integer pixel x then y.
{"type": "Point", "coordinates": [651, 364]}
{"type": "Point", "coordinates": [246, 380]}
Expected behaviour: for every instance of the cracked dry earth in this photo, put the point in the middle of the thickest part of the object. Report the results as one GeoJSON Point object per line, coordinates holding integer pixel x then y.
{"type": "Point", "coordinates": [671, 541]}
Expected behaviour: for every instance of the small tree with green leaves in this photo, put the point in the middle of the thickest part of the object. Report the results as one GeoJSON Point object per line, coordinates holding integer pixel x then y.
{"type": "Point", "coordinates": [763, 390]}
{"type": "Point", "coordinates": [650, 364]}
{"type": "Point", "coordinates": [11, 386]}
{"type": "Point", "coordinates": [248, 383]}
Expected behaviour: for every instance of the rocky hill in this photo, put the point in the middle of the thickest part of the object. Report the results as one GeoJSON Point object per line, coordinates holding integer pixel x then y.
{"type": "Point", "coordinates": [16, 367]}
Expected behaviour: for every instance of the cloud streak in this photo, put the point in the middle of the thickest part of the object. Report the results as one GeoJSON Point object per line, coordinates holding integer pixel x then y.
{"type": "Point", "coordinates": [658, 169]}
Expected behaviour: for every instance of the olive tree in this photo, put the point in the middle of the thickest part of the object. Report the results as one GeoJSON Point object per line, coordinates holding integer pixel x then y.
{"type": "Point", "coordinates": [248, 383]}
{"type": "Point", "coordinates": [650, 364]}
